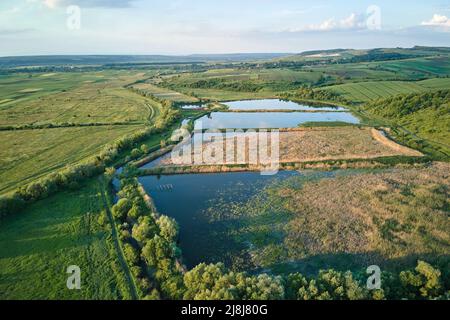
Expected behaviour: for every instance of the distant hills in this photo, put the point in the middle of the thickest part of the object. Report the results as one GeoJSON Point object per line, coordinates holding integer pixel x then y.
{"type": "Point", "coordinates": [78, 60]}
{"type": "Point", "coordinates": [330, 55]}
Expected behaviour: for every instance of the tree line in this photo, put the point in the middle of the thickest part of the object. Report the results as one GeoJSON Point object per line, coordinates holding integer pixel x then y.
{"type": "Point", "coordinates": [305, 93]}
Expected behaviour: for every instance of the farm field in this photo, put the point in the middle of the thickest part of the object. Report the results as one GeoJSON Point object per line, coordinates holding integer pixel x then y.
{"type": "Point", "coordinates": [368, 91]}
{"type": "Point", "coordinates": [38, 244]}
{"type": "Point", "coordinates": [163, 93]}
{"type": "Point", "coordinates": [103, 102]}
{"type": "Point", "coordinates": [27, 155]}
{"type": "Point", "coordinates": [414, 69]}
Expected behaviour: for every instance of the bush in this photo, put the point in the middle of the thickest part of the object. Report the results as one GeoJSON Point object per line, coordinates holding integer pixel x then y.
{"type": "Point", "coordinates": [121, 209]}
{"type": "Point", "coordinates": [131, 254]}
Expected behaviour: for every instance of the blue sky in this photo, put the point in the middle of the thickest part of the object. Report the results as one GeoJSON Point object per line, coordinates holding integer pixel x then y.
{"type": "Point", "coordinates": [198, 26]}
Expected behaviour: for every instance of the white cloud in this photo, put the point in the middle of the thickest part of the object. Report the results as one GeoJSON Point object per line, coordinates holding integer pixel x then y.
{"type": "Point", "coordinates": [438, 21]}
{"type": "Point", "coordinates": [51, 3]}
{"type": "Point", "coordinates": [84, 3]}
{"type": "Point", "coordinates": [352, 22]}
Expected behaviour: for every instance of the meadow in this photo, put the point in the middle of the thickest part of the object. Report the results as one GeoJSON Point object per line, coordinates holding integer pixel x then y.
{"type": "Point", "coordinates": [38, 245]}
{"type": "Point", "coordinates": [27, 155]}
{"type": "Point", "coordinates": [104, 101]}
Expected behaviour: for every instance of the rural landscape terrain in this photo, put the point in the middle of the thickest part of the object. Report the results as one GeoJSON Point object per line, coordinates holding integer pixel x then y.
{"type": "Point", "coordinates": [88, 176]}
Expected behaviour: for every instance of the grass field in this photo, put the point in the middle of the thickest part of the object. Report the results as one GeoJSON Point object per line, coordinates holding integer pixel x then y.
{"type": "Point", "coordinates": [38, 244]}
{"type": "Point", "coordinates": [29, 154]}
{"type": "Point", "coordinates": [102, 102]}
{"type": "Point", "coordinates": [368, 91]}
{"type": "Point", "coordinates": [396, 70]}
{"type": "Point", "coordinates": [163, 93]}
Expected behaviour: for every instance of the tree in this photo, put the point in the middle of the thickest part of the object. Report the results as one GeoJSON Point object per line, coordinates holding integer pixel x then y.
{"type": "Point", "coordinates": [136, 153]}
{"type": "Point", "coordinates": [110, 173]}
{"type": "Point", "coordinates": [425, 282]}
{"type": "Point", "coordinates": [206, 282]}
{"type": "Point", "coordinates": [264, 287]}
{"type": "Point", "coordinates": [332, 285]}
{"type": "Point", "coordinates": [293, 283]}
{"type": "Point", "coordinates": [144, 230]}
{"type": "Point", "coordinates": [168, 228]}
{"type": "Point", "coordinates": [121, 209]}
{"type": "Point", "coordinates": [145, 149]}
{"type": "Point", "coordinates": [138, 208]}
{"type": "Point", "coordinates": [156, 249]}
{"type": "Point", "coordinates": [131, 254]}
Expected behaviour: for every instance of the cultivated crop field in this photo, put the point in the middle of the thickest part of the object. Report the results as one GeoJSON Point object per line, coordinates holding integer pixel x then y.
{"type": "Point", "coordinates": [163, 93]}
{"type": "Point", "coordinates": [368, 91]}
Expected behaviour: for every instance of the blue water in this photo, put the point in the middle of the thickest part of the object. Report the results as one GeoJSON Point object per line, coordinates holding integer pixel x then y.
{"type": "Point", "coordinates": [277, 104]}
{"type": "Point", "coordinates": [269, 120]}
{"type": "Point", "coordinates": [187, 197]}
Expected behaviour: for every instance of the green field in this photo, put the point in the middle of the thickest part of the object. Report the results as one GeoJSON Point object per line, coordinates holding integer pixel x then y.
{"type": "Point", "coordinates": [163, 93]}
{"type": "Point", "coordinates": [37, 246]}
{"type": "Point", "coordinates": [368, 91]}
{"type": "Point", "coordinates": [101, 102]}
{"type": "Point", "coordinates": [27, 155]}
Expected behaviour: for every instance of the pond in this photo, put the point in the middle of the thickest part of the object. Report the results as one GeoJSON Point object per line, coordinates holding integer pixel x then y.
{"type": "Point", "coordinates": [188, 198]}
{"type": "Point", "coordinates": [277, 104]}
{"type": "Point", "coordinates": [269, 120]}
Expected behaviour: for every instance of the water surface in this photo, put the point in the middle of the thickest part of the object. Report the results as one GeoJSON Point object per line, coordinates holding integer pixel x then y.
{"type": "Point", "coordinates": [269, 120]}
{"type": "Point", "coordinates": [187, 199]}
{"type": "Point", "coordinates": [277, 104]}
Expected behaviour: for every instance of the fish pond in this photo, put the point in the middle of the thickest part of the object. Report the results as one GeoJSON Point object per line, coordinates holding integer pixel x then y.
{"type": "Point", "coordinates": [235, 218]}
{"type": "Point", "coordinates": [269, 120]}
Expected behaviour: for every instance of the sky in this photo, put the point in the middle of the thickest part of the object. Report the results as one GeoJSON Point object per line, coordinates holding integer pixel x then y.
{"type": "Point", "coordinates": [181, 27]}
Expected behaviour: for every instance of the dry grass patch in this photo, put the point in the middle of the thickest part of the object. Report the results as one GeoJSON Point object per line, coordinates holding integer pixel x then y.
{"type": "Point", "coordinates": [397, 214]}
{"type": "Point", "coordinates": [300, 146]}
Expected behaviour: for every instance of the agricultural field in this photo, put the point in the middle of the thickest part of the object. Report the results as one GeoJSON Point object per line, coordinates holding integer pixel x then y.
{"type": "Point", "coordinates": [27, 155]}
{"type": "Point", "coordinates": [105, 101]}
{"type": "Point", "coordinates": [164, 94]}
{"type": "Point", "coordinates": [40, 243]}
{"type": "Point", "coordinates": [368, 91]}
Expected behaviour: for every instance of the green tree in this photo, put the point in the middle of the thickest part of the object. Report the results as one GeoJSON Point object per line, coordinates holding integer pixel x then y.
{"type": "Point", "coordinates": [424, 282]}
{"type": "Point", "coordinates": [131, 254]}
{"type": "Point", "coordinates": [121, 209]}
{"type": "Point", "coordinates": [168, 228]}
{"type": "Point", "coordinates": [156, 249]}
{"type": "Point", "coordinates": [144, 230]}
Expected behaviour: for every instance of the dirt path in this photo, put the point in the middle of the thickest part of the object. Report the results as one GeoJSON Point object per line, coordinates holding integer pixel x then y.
{"type": "Point", "coordinates": [117, 245]}
{"type": "Point", "coordinates": [381, 137]}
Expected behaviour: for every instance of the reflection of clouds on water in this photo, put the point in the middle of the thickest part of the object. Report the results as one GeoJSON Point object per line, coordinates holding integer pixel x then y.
{"type": "Point", "coordinates": [276, 104]}
{"type": "Point", "coordinates": [243, 120]}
